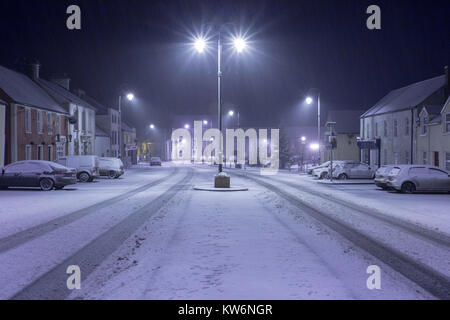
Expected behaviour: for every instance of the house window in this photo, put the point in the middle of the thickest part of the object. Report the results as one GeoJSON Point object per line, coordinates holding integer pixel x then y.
{"type": "Point", "coordinates": [447, 122]}
{"type": "Point", "coordinates": [49, 123]}
{"type": "Point", "coordinates": [447, 161]}
{"type": "Point", "coordinates": [368, 131]}
{"type": "Point", "coordinates": [376, 129]}
{"type": "Point", "coordinates": [27, 120]}
{"type": "Point", "coordinates": [406, 127]}
{"type": "Point", "coordinates": [385, 156]}
{"type": "Point", "coordinates": [50, 153]}
{"type": "Point", "coordinates": [83, 120]}
{"type": "Point", "coordinates": [28, 149]}
{"type": "Point", "coordinates": [407, 157]}
{"type": "Point", "coordinates": [395, 128]}
{"type": "Point", "coordinates": [395, 157]}
{"type": "Point", "coordinates": [39, 122]}
{"type": "Point", "coordinates": [60, 150]}
{"type": "Point", "coordinates": [385, 128]}
{"type": "Point", "coordinates": [424, 127]}
{"type": "Point", "coordinates": [40, 152]}
{"type": "Point", "coordinates": [58, 124]}
{"type": "Point", "coordinates": [424, 158]}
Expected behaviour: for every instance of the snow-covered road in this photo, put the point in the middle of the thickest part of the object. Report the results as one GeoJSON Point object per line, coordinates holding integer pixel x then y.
{"type": "Point", "coordinates": [151, 236]}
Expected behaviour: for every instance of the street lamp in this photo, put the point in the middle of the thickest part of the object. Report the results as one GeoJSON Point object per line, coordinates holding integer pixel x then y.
{"type": "Point", "coordinates": [239, 44]}
{"type": "Point", "coordinates": [314, 146]}
{"type": "Point", "coordinates": [231, 114]}
{"type": "Point", "coordinates": [310, 100]}
{"type": "Point", "coordinates": [152, 126]}
{"type": "Point", "coordinates": [130, 97]}
{"type": "Point", "coordinates": [186, 126]}
{"type": "Point", "coordinates": [303, 139]}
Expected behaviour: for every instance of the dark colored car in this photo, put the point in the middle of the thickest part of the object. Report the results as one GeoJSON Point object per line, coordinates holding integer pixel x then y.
{"type": "Point", "coordinates": [36, 173]}
{"type": "Point", "coordinates": [155, 161]}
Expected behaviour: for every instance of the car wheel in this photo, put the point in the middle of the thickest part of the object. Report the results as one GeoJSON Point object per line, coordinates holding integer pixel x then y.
{"type": "Point", "coordinates": [408, 187]}
{"type": "Point", "coordinates": [112, 175]}
{"type": "Point", "coordinates": [84, 177]}
{"type": "Point", "coordinates": [59, 187]}
{"type": "Point", "coordinates": [342, 176]}
{"type": "Point", "coordinates": [46, 184]}
{"type": "Point", "coordinates": [323, 175]}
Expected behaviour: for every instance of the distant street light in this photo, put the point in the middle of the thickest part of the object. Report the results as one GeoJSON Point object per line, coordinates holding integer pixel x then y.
{"type": "Point", "coordinates": [152, 126]}
{"type": "Point", "coordinates": [186, 126]}
{"type": "Point", "coordinates": [314, 146]}
{"type": "Point", "coordinates": [130, 97]}
{"type": "Point", "coordinates": [310, 100]}
{"type": "Point", "coordinates": [303, 139]}
{"type": "Point", "coordinates": [200, 44]}
{"type": "Point", "coordinates": [231, 114]}
{"type": "Point", "coordinates": [239, 44]}
{"type": "Point", "coordinates": [205, 122]}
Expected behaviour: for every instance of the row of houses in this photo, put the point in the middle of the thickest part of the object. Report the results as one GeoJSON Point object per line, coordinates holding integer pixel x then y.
{"type": "Point", "coordinates": [44, 120]}
{"type": "Point", "coordinates": [410, 125]}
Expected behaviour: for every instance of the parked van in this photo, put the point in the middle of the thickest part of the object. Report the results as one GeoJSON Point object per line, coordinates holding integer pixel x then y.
{"type": "Point", "coordinates": [110, 167]}
{"type": "Point", "coordinates": [86, 166]}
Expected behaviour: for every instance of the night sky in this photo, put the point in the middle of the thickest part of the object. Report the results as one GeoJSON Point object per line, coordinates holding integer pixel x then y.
{"type": "Point", "coordinates": [294, 46]}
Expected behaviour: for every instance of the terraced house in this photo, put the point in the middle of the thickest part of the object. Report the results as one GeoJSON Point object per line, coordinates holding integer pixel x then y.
{"type": "Point", "coordinates": [390, 131]}
{"type": "Point", "coordinates": [36, 126]}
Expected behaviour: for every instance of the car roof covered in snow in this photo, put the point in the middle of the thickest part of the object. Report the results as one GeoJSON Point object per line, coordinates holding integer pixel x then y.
{"type": "Point", "coordinates": [22, 90]}
{"type": "Point", "coordinates": [62, 95]}
{"type": "Point", "coordinates": [406, 97]}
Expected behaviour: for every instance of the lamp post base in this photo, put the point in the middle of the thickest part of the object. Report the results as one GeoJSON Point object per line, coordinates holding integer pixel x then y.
{"type": "Point", "coordinates": [222, 180]}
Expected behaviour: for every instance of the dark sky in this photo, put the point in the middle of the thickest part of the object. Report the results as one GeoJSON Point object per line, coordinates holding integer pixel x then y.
{"type": "Point", "coordinates": [294, 46]}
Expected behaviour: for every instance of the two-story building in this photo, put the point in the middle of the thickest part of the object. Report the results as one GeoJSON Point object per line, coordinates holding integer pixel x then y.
{"type": "Point", "coordinates": [36, 125]}
{"type": "Point", "coordinates": [433, 140]}
{"type": "Point", "coordinates": [129, 143]}
{"type": "Point", "coordinates": [389, 130]}
{"type": "Point", "coordinates": [82, 115]}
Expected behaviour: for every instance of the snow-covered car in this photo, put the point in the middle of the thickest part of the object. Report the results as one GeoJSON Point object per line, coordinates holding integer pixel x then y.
{"type": "Point", "coordinates": [86, 166]}
{"type": "Point", "coordinates": [381, 177]}
{"type": "Point", "coordinates": [155, 161]}
{"type": "Point", "coordinates": [37, 173]}
{"type": "Point", "coordinates": [353, 170]}
{"type": "Point", "coordinates": [110, 167]}
{"type": "Point", "coordinates": [310, 170]}
{"type": "Point", "coordinates": [412, 178]}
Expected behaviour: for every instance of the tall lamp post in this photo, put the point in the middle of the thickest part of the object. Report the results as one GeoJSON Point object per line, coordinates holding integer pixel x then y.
{"type": "Point", "coordinates": [130, 97]}
{"type": "Point", "coordinates": [200, 45]}
{"type": "Point", "coordinates": [310, 100]}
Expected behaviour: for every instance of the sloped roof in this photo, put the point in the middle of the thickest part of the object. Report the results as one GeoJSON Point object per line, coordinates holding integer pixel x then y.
{"type": "Point", "coordinates": [25, 91]}
{"type": "Point", "coordinates": [406, 97]}
{"type": "Point", "coordinates": [100, 133]}
{"type": "Point", "coordinates": [101, 109]}
{"type": "Point", "coordinates": [126, 127]}
{"type": "Point", "coordinates": [347, 121]}
{"type": "Point", "coordinates": [62, 95]}
{"type": "Point", "coordinates": [433, 110]}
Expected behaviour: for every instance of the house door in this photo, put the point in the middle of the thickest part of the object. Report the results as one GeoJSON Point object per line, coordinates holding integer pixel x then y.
{"type": "Point", "coordinates": [436, 159]}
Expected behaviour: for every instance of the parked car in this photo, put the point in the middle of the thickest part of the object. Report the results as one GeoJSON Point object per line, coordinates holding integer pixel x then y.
{"type": "Point", "coordinates": [86, 166]}
{"type": "Point", "coordinates": [37, 173]}
{"type": "Point", "coordinates": [353, 170]}
{"type": "Point", "coordinates": [155, 161]}
{"type": "Point", "coordinates": [110, 167]}
{"type": "Point", "coordinates": [323, 165]}
{"type": "Point", "coordinates": [412, 178]}
{"type": "Point", "coordinates": [381, 177]}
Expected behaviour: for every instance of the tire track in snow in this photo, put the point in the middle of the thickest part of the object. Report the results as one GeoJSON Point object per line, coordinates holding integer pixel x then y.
{"type": "Point", "coordinates": [52, 285]}
{"type": "Point", "coordinates": [429, 279]}
{"type": "Point", "coordinates": [21, 237]}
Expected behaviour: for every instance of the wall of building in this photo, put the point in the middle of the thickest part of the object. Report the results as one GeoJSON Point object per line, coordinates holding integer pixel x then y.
{"type": "Point", "coordinates": [109, 123]}
{"type": "Point", "coordinates": [82, 132]}
{"type": "Point", "coordinates": [346, 149]}
{"type": "Point", "coordinates": [102, 145]}
{"type": "Point", "coordinates": [2, 134]}
{"type": "Point", "coordinates": [45, 139]}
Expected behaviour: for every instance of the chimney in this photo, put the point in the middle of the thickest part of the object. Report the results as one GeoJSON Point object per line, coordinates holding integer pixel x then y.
{"type": "Point", "coordinates": [34, 69]}
{"type": "Point", "coordinates": [63, 82]}
{"type": "Point", "coordinates": [30, 67]}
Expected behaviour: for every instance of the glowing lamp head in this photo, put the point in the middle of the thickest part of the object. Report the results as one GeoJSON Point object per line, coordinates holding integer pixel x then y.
{"type": "Point", "coordinates": [314, 146]}
{"type": "Point", "coordinates": [130, 96]}
{"type": "Point", "coordinates": [186, 126]}
{"type": "Point", "coordinates": [152, 126]}
{"type": "Point", "coordinates": [205, 122]}
{"type": "Point", "coordinates": [200, 45]}
{"type": "Point", "coordinates": [231, 113]}
{"type": "Point", "coordinates": [239, 44]}
{"type": "Point", "coordinates": [303, 139]}
{"type": "Point", "coordinates": [309, 100]}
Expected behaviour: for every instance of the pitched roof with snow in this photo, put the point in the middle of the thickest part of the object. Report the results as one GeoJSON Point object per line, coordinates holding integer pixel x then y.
{"type": "Point", "coordinates": [22, 90]}
{"type": "Point", "coordinates": [101, 109]}
{"type": "Point", "coordinates": [406, 97]}
{"type": "Point", "coordinates": [126, 127]}
{"type": "Point", "coordinates": [62, 95]}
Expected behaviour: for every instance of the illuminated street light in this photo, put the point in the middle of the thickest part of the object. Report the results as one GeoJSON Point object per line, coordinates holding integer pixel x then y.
{"type": "Point", "coordinates": [314, 146]}
{"type": "Point", "coordinates": [152, 126]}
{"type": "Point", "coordinates": [130, 96]}
{"type": "Point", "coordinates": [231, 113]}
{"type": "Point", "coordinates": [186, 126]}
{"type": "Point", "coordinates": [239, 44]}
{"type": "Point", "coordinates": [309, 100]}
{"type": "Point", "coordinates": [200, 44]}
{"type": "Point", "coordinates": [205, 122]}
{"type": "Point", "coordinates": [303, 138]}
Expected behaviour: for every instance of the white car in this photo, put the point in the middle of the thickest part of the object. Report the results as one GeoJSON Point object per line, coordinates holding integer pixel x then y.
{"type": "Point", "coordinates": [110, 167]}
{"type": "Point", "coordinates": [353, 170]}
{"type": "Point", "coordinates": [86, 166]}
{"type": "Point", "coordinates": [412, 178]}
